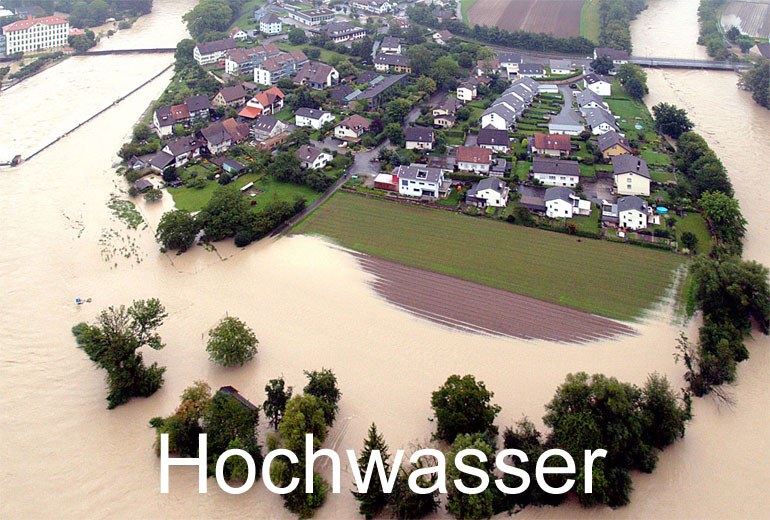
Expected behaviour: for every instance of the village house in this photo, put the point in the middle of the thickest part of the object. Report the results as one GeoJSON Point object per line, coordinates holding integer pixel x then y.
{"type": "Point", "coordinates": [266, 127]}
{"type": "Point", "coordinates": [473, 159]}
{"type": "Point", "coordinates": [230, 97]}
{"type": "Point", "coordinates": [379, 7]}
{"type": "Point", "coordinates": [565, 123]}
{"type": "Point", "coordinates": [588, 100]}
{"type": "Point", "coordinates": [317, 75]}
{"type": "Point", "coordinates": [278, 66]}
{"type": "Point", "coordinates": [419, 138]}
{"type": "Point", "coordinates": [490, 192]}
{"type": "Point", "coordinates": [378, 91]}
{"type": "Point", "coordinates": [618, 56]}
{"type": "Point", "coordinates": [444, 112]}
{"type": "Point", "coordinates": [418, 180]}
{"type": "Point", "coordinates": [597, 84]}
{"type": "Point", "coordinates": [487, 66]}
{"type": "Point", "coordinates": [556, 172]}
{"type": "Point", "coordinates": [531, 70]}
{"type": "Point", "coordinates": [229, 165]}
{"type": "Point", "coordinates": [238, 34]}
{"type": "Point", "coordinates": [270, 24]}
{"type": "Point", "coordinates": [562, 202]}
{"type": "Point", "coordinates": [198, 106]}
{"type": "Point", "coordinates": [504, 111]}
{"type": "Point", "coordinates": [390, 45]}
{"type": "Point", "coordinates": [632, 177]}
{"type": "Point", "coordinates": [244, 60]}
{"type": "Point", "coordinates": [467, 91]}
{"type": "Point", "coordinates": [560, 66]}
{"type": "Point", "coordinates": [311, 17]}
{"type": "Point", "coordinates": [442, 37]}
{"type": "Point", "coordinates": [164, 118]}
{"type": "Point", "coordinates": [600, 121]}
{"type": "Point", "coordinates": [218, 139]}
{"type": "Point", "coordinates": [494, 139]}
{"type": "Point", "coordinates": [311, 117]}
{"type": "Point", "coordinates": [184, 149]}
{"type": "Point", "coordinates": [510, 62]}
{"type": "Point", "coordinates": [268, 102]}
{"type": "Point", "coordinates": [312, 157]}
{"type": "Point", "coordinates": [631, 213]}
{"type": "Point", "coordinates": [761, 49]}
{"type": "Point", "coordinates": [340, 32]}
{"type": "Point", "coordinates": [207, 53]}
{"type": "Point", "coordinates": [388, 62]}
{"type": "Point", "coordinates": [612, 144]}
{"type": "Point", "coordinates": [551, 145]}
{"type": "Point", "coordinates": [352, 128]}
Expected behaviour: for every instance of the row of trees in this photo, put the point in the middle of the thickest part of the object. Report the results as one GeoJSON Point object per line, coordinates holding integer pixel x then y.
{"type": "Point", "coordinates": [709, 13]}
{"type": "Point", "coordinates": [212, 16]}
{"type": "Point", "coordinates": [701, 166]}
{"type": "Point", "coordinates": [227, 214]}
{"type": "Point", "coordinates": [615, 18]}
{"type": "Point", "coordinates": [757, 81]}
{"type": "Point", "coordinates": [495, 35]}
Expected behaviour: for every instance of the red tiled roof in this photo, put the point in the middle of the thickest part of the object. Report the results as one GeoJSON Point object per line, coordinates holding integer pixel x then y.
{"type": "Point", "coordinates": [552, 142]}
{"type": "Point", "coordinates": [29, 22]}
{"type": "Point", "coordinates": [180, 112]}
{"type": "Point", "coordinates": [250, 112]}
{"type": "Point", "coordinates": [474, 154]}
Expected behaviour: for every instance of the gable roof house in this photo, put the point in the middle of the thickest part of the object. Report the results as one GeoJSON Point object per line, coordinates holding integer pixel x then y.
{"type": "Point", "coordinates": [489, 192]}
{"type": "Point", "coordinates": [510, 62]}
{"type": "Point", "coordinates": [270, 24]}
{"type": "Point", "coordinates": [633, 213]}
{"type": "Point", "coordinates": [230, 97]}
{"type": "Point", "coordinates": [561, 202]}
{"type": "Point", "coordinates": [238, 131]}
{"type": "Point", "coordinates": [552, 145]}
{"type": "Point", "coordinates": [206, 53]}
{"type": "Point", "coordinates": [594, 82]}
{"type": "Point", "coordinates": [531, 70]}
{"type": "Point", "coordinates": [600, 121]}
{"type": "Point", "coordinates": [556, 172]}
{"type": "Point", "coordinates": [313, 157]}
{"type": "Point", "coordinates": [218, 139]}
{"type": "Point", "coordinates": [467, 91]}
{"type": "Point", "coordinates": [504, 111]}
{"type": "Point", "coordinates": [390, 45]}
{"type": "Point", "coordinates": [442, 37]}
{"type": "Point", "coordinates": [588, 99]}
{"type": "Point", "coordinates": [560, 66]}
{"type": "Point", "coordinates": [266, 127]}
{"type": "Point", "coordinates": [419, 138]}
{"type": "Point", "coordinates": [444, 112]}
{"type": "Point", "coordinates": [236, 33]}
{"type": "Point", "coordinates": [473, 159]}
{"type": "Point", "coordinates": [373, 6]}
{"type": "Point", "coordinates": [418, 180]}
{"type": "Point", "coordinates": [272, 67]}
{"type": "Point", "coordinates": [163, 121]}
{"type": "Point", "coordinates": [494, 139]}
{"type": "Point", "coordinates": [613, 143]}
{"type": "Point", "coordinates": [183, 149]}
{"type": "Point", "coordinates": [198, 106]}
{"type": "Point", "coordinates": [618, 56]}
{"type": "Point", "coordinates": [565, 123]}
{"type": "Point", "coordinates": [311, 117]}
{"type": "Point", "coordinates": [395, 62]}
{"type": "Point", "coordinates": [632, 177]}
{"type": "Point", "coordinates": [317, 75]}
{"type": "Point", "coordinates": [268, 102]}
{"type": "Point", "coordinates": [352, 128]}
{"type": "Point", "coordinates": [340, 32]}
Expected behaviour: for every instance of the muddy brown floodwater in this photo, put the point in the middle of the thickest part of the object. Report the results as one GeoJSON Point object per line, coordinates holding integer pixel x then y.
{"type": "Point", "coordinates": [64, 455]}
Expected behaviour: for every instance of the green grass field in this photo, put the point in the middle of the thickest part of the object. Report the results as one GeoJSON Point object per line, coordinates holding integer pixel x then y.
{"type": "Point", "coordinates": [614, 280]}
{"type": "Point", "coordinates": [589, 20]}
{"type": "Point", "coordinates": [694, 223]}
{"type": "Point", "coordinates": [464, 6]}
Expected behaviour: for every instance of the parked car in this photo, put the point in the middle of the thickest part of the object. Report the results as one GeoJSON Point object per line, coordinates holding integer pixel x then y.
{"type": "Point", "coordinates": [573, 85]}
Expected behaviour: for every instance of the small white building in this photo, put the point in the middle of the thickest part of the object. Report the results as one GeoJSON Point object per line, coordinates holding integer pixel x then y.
{"type": "Point", "coordinates": [418, 138]}
{"type": "Point", "coordinates": [238, 34]}
{"type": "Point", "coordinates": [489, 192]}
{"type": "Point", "coordinates": [474, 159]}
{"type": "Point", "coordinates": [312, 117]}
{"type": "Point", "coordinates": [597, 84]}
{"type": "Point", "coordinates": [556, 172]}
{"type": "Point", "coordinates": [467, 92]}
{"type": "Point", "coordinates": [270, 24]}
{"type": "Point", "coordinates": [417, 180]}
{"type": "Point", "coordinates": [633, 213]}
{"type": "Point", "coordinates": [562, 202]}
{"type": "Point", "coordinates": [560, 66]}
{"type": "Point", "coordinates": [313, 157]}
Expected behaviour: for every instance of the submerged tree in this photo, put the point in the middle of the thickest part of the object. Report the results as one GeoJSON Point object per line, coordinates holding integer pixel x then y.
{"type": "Point", "coordinates": [374, 499]}
{"type": "Point", "coordinates": [232, 343]}
{"type": "Point", "coordinates": [323, 385]}
{"type": "Point", "coordinates": [113, 344]}
{"type": "Point", "coordinates": [278, 395]}
{"type": "Point", "coordinates": [462, 405]}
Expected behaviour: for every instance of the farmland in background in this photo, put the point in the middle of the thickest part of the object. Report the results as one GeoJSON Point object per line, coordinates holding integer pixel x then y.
{"type": "Point", "coordinates": [609, 279]}
{"type": "Point", "coordinates": [557, 17]}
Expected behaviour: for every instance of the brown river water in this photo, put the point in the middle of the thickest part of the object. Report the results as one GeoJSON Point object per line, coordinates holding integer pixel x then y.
{"type": "Point", "coordinates": [64, 455]}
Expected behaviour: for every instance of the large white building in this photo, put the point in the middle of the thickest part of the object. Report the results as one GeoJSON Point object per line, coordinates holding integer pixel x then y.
{"type": "Point", "coordinates": [417, 180]}
{"type": "Point", "coordinates": [34, 34]}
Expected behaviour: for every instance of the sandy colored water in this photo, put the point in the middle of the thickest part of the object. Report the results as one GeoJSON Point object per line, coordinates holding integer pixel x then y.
{"type": "Point", "coordinates": [311, 306]}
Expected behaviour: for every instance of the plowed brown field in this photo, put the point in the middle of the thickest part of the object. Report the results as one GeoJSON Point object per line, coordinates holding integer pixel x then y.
{"type": "Point", "coordinates": [556, 17]}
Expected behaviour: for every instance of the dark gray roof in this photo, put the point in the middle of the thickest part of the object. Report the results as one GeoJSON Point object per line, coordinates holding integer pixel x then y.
{"type": "Point", "coordinates": [418, 172]}
{"type": "Point", "coordinates": [419, 134]}
{"type": "Point", "coordinates": [392, 60]}
{"type": "Point", "coordinates": [597, 116]}
{"type": "Point", "coordinates": [559, 192]}
{"type": "Point", "coordinates": [489, 183]}
{"type": "Point", "coordinates": [340, 29]}
{"type": "Point", "coordinates": [493, 137]}
{"type": "Point", "coordinates": [390, 42]}
{"type": "Point", "coordinates": [628, 163]}
{"type": "Point", "coordinates": [232, 392]}
{"type": "Point", "coordinates": [183, 145]}
{"type": "Point", "coordinates": [509, 57]}
{"type": "Point", "coordinates": [531, 68]}
{"type": "Point", "coordinates": [265, 123]}
{"type": "Point", "coordinates": [614, 54]}
{"type": "Point", "coordinates": [197, 103]}
{"type": "Point", "coordinates": [270, 18]}
{"type": "Point", "coordinates": [592, 78]}
{"type": "Point", "coordinates": [232, 93]}
{"type": "Point", "coordinates": [380, 87]}
{"type": "Point", "coordinates": [308, 153]}
{"type": "Point", "coordinates": [555, 166]}
{"type": "Point", "coordinates": [216, 46]}
{"type": "Point", "coordinates": [216, 134]}
{"type": "Point", "coordinates": [312, 113]}
{"type": "Point", "coordinates": [586, 96]}
{"type": "Point", "coordinates": [764, 49]}
{"type": "Point", "coordinates": [632, 202]}
{"type": "Point", "coordinates": [610, 139]}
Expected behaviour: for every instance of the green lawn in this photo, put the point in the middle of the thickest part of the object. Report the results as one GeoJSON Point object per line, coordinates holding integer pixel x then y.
{"type": "Point", "coordinates": [246, 19]}
{"type": "Point", "coordinates": [694, 223]}
{"type": "Point", "coordinates": [325, 56]}
{"type": "Point", "coordinates": [614, 280]}
{"type": "Point", "coordinates": [589, 20]}
{"type": "Point", "coordinates": [192, 199]}
{"type": "Point", "coordinates": [464, 6]}
{"type": "Point", "coordinates": [522, 169]}
{"type": "Point", "coordinates": [588, 223]}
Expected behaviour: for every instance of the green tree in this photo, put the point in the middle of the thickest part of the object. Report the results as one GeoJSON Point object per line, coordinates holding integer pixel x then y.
{"type": "Point", "coordinates": [183, 426]}
{"type": "Point", "coordinates": [226, 213]}
{"type": "Point", "coordinates": [278, 395]}
{"type": "Point", "coordinates": [395, 133]}
{"type": "Point", "coordinates": [323, 385]}
{"type": "Point", "coordinates": [664, 417]}
{"type": "Point", "coordinates": [374, 500]}
{"type": "Point", "coordinates": [286, 167]}
{"type": "Point", "coordinates": [689, 240]}
{"type": "Point", "coordinates": [183, 57]}
{"type": "Point", "coordinates": [397, 110]}
{"type": "Point", "coordinates": [231, 343]}
{"type": "Point", "coordinates": [405, 503]}
{"type": "Point", "coordinates": [208, 16]}
{"type": "Point", "coordinates": [425, 84]}
{"type": "Point", "coordinates": [467, 505]}
{"type": "Point", "coordinates": [297, 36]}
{"type": "Point", "coordinates": [113, 344]}
{"type": "Point", "coordinates": [177, 230]}
{"type": "Point", "coordinates": [757, 81]}
{"type": "Point", "coordinates": [635, 88]}
{"type": "Point", "coordinates": [602, 65]}
{"type": "Point", "coordinates": [724, 214]}
{"type": "Point", "coordinates": [462, 405]}
{"type": "Point", "coordinates": [671, 120]}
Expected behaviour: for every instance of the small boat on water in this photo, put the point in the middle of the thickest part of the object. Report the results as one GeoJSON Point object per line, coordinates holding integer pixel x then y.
{"type": "Point", "coordinates": [81, 301]}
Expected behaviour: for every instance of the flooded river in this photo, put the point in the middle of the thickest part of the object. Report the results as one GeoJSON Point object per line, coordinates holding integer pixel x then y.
{"type": "Point", "coordinates": [65, 455]}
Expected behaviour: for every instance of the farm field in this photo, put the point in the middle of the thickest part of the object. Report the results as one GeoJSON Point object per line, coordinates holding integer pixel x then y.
{"type": "Point", "coordinates": [752, 18]}
{"type": "Point", "coordinates": [609, 279]}
{"type": "Point", "coordinates": [557, 17]}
